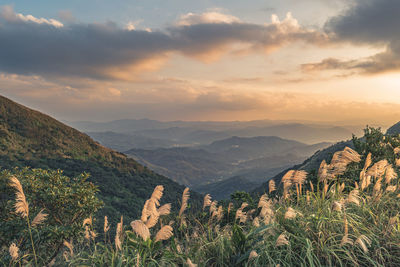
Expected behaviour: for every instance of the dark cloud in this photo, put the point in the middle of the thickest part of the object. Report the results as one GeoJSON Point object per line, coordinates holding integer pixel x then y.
{"type": "Point", "coordinates": [46, 47]}
{"type": "Point", "coordinates": [366, 22]}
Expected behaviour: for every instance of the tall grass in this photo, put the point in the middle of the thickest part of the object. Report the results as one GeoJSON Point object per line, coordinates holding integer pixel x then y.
{"type": "Point", "coordinates": [348, 217]}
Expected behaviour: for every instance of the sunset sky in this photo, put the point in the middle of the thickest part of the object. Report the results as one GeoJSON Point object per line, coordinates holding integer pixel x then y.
{"type": "Point", "coordinates": [315, 60]}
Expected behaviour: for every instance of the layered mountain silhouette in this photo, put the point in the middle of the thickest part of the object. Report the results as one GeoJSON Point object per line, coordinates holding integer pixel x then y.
{"type": "Point", "coordinates": [221, 163]}
{"type": "Point", "coordinates": [30, 138]}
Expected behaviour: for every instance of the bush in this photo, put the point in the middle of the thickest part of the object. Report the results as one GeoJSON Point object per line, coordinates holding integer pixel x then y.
{"type": "Point", "coordinates": [66, 201]}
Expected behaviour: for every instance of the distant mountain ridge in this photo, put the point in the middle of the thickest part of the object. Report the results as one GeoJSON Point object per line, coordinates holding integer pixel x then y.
{"type": "Point", "coordinates": [203, 133]}
{"type": "Point", "coordinates": [200, 167]}
{"type": "Point", "coordinates": [30, 138]}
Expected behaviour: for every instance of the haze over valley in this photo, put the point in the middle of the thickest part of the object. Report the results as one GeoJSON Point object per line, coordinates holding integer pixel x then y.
{"type": "Point", "coordinates": [201, 154]}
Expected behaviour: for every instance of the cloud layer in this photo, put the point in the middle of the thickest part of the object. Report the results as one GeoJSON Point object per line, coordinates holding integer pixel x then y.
{"type": "Point", "coordinates": [39, 46]}
{"type": "Point", "coordinates": [366, 22]}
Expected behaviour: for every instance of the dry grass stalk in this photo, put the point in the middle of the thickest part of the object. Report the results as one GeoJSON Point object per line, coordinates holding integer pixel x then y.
{"type": "Point", "coordinates": [230, 207]}
{"type": "Point", "coordinates": [354, 197]}
{"type": "Point", "coordinates": [240, 214]}
{"type": "Point", "coordinates": [326, 187]}
{"type": "Point", "coordinates": [145, 212]}
{"type": "Point", "coordinates": [368, 161]}
{"type": "Point", "coordinates": [299, 177]}
{"type": "Point", "coordinates": [337, 206]}
{"type": "Point", "coordinates": [164, 233]}
{"type": "Point", "coordinates": [281, 240]}
{"type": "Point", "coordinates": [119, 235]}
{"type": "Point", "coordinates": [220, 213]}
{"type": "Point", "coordinates": [391, 188]}
{"type": "Point", "coordinates": [21, 205]}
{"type": "Point", "coordinates": [39, 219]}
{"type": "Point", "coordinates": [87, 233]}
{"type": "Point", "coordinates": [137, 259]}
{"type": "Point", "coordinates": [93, 235]}
{"type": "Point", "coordinates": [271, 186]}
{"type": "Point", "coordinates": [207, 201]}
{"type": "Point", "coordinates": [263, 202]}
{"type": "Point", "coordinates": [165, 209]}
{"type": "Point", "coordinates": [397, 162]}
{"type": "Point", "coordinates": [157, 194]}
{"type": "Point", "coordinates": [390, 174]}
{"type": "Point", "coordinates": [341, 187]}
{"type": "Point", "coordinates": [106, 225]}
{"type": "Point", "coordinates": [363, 241]}
{"type": "Point", "coordinates": [256, 222]}
{"type": "Point", "coordinates": [190, 263]}
{"type": "Point", "coordinates": [140, 229]}
{"type": "Point", "coordinates": [253, 255]}
{"type": "Point", "coordinates": [185, 198]}
{"type": "Point", "coordinates": [378, 187]}
{"type": "Point", "coordinates": [87, 221]}
{"type": "Point", "coordinates": [287, 178]}
{"type": "Point", "coordinates": [345, 157]}
{"type": "Point", "coordinates": [14, 251]}
{"type": "Point", "coordinates": [346, 240]}
{"type": "Point", "coordinates": [290, 213]}
{"type": "Point", "coordinates": [70, 247]}
{"type": "Point", "coordinates": [378, 169]}
{"type": "Point", "coordinates": [338, 164]}
{"type": "Point", "coordinates": [152, 221]}
{"type": "Point", "coordinates": [213, 206]}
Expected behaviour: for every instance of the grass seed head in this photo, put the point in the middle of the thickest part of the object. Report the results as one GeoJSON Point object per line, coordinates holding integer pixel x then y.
{"type": "Point", "coordinates": [21, 205]}
{"type": "Point", "coordinates": [39, 219]}
{"type": "Point", "coordinates": [185, 198]}
{"type": "Point", "coordinates": [164, 233]}
{"type": "Point", "coordinates": [140, 229]}
{"type": "Point", "coordinates": [14, 251]}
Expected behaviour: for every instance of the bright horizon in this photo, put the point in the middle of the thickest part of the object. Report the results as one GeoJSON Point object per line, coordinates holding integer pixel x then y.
{"type": "Point", "coordinates": [314, 61]}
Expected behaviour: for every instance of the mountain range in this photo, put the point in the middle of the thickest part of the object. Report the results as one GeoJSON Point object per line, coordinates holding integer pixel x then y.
{"type": "Point", "coordinates": [202, 167]}
{"type": "Point", "coordinates": [156, 134]}
{"type": "Point", "coordinates": [30, 138]}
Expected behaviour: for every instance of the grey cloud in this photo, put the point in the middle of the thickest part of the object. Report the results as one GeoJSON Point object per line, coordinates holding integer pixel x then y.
{"type": "Point", "coordinates": [366, 22]}
{"type": "Point", "coordinates": [104, 51]}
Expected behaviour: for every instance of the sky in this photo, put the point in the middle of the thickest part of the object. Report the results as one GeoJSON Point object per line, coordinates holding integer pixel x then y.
{"type": "Point", "coordinates": [225, 60]}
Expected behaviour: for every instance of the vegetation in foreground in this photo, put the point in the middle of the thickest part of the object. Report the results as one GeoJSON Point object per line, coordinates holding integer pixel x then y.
{"type": "Point", "coordinates": [346, 215]}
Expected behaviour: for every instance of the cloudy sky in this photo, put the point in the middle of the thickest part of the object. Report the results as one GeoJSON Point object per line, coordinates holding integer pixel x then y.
{"type": "Point", "coordinates": [317, 60]}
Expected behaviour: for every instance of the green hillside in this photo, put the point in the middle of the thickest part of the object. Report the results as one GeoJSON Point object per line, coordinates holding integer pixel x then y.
{"type": "Point", "coordinates": [30, 138]}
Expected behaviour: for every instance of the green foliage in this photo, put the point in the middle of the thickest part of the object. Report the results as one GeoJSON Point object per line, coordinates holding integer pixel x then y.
{"type": "Point", "coordinates": [376, 143]}
{"type": "Point", "coordinates": [66, 201]}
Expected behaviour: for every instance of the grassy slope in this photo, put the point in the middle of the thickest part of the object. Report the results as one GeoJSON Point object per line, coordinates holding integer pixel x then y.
{"type": "Point", "coordinates": [30, 138]}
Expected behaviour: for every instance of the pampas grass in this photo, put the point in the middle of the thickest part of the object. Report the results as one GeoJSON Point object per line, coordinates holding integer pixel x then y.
{"type": "Point", "coordinates": [119, 235]}
{"type": "Point", "coordinates": [39, 219]}
{"type": "Point", "coordinates": [271, 186]}
{"type": "Point", "coordinates": [165, 209]}
{"type": "Point", "coordinates": [190, 263]}
{"type": "Point", "coordinates": [343, 221]}
{"type": "Point", "coordinates": [14, 251]}
{"type": "Point", "coordinates": [22, 208]}
{"type": "Point", "coordinates": [140, 229]}
{"type": "Point", "coordinates": [21, 205]}
{"type": "Point", "coordinates": [106, 226]}
{"type": "Point", "coordinates": [185, 198]}
{"type": "Point", "coordinates": [164, 233]}
{"type": "Point", "coordinates": [206, 201]}
{"type": "Point", "coordinates": [281, 240]}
